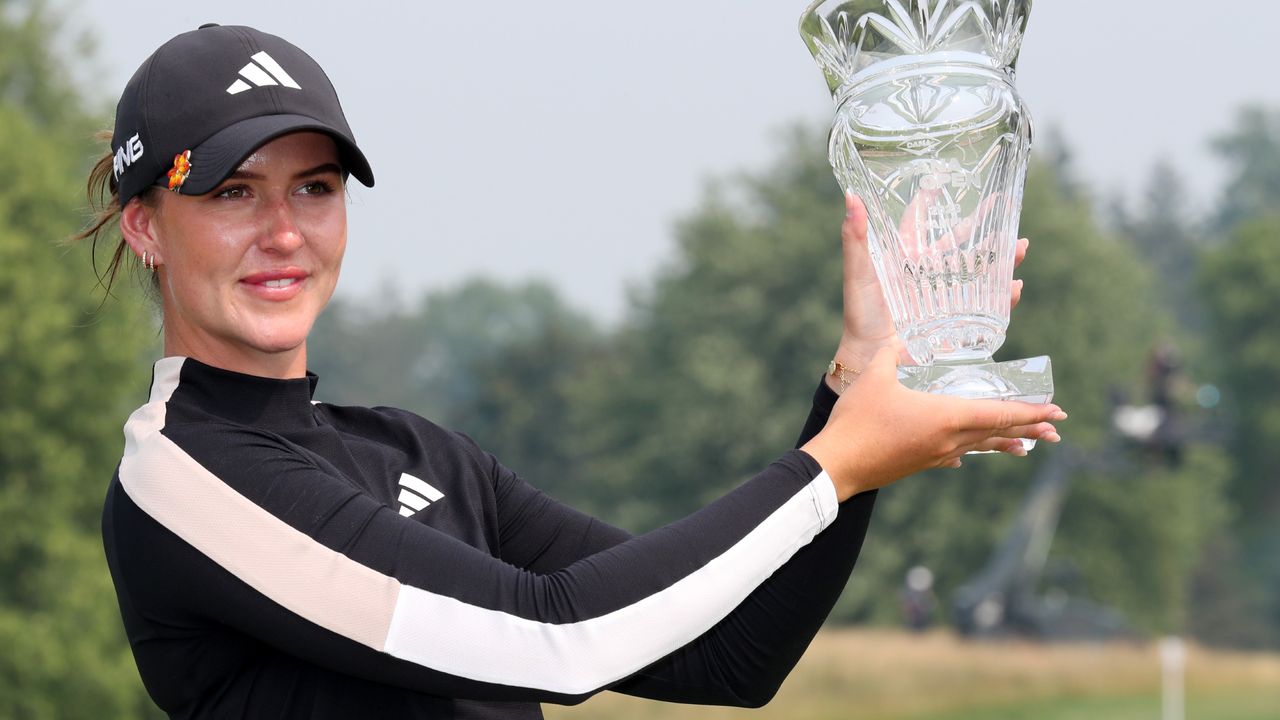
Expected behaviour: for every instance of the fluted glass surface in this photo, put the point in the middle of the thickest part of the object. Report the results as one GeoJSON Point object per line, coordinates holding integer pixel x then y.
{"type": "Point", "coordinates": [931, 133]}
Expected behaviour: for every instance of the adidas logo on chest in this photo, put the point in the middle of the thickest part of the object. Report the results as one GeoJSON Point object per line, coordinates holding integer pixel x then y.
{"type": "Point", "coordinates": [415, 494]}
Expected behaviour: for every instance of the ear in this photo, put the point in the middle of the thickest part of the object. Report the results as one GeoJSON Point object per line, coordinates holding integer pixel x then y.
{"type": "Point", "coordinates": [138, 226]}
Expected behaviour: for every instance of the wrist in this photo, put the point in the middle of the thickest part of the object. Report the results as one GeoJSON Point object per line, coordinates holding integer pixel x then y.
{"type": "Point", "coordinates": [846, 481]}
{"type": "Point", "coordinates": [848, 362]}
{"type": "Point", "coordinates": [840, 376]}
{"type": "Point", "coordinates": [857, 353]}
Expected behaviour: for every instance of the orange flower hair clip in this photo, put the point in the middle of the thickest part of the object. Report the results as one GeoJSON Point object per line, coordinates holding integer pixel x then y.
{"type": "Point", "coordinates": [181, 169]}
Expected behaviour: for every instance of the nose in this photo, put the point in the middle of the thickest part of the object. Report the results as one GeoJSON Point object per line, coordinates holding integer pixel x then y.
{"type": "Point", "coordinates": [281, 232]}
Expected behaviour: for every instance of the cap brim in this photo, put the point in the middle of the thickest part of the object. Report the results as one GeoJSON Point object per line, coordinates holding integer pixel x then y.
{"type": "Point", "coordinates": [219, 156]}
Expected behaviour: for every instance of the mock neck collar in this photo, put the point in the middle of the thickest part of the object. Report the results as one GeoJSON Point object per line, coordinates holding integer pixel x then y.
{"type": "Point", "coordinates": [269, 403]}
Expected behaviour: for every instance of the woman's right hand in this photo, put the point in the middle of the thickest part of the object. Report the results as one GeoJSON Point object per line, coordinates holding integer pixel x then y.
{"type": "Point", "coordinates": [880, 431]}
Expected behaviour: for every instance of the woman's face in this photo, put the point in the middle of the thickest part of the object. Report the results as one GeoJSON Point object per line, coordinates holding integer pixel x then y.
{"type": "Point", "coordinates": [246, 269]}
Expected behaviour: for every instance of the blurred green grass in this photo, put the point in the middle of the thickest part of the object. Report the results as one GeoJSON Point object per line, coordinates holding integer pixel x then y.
{"type": "Point", "coordinates": [884, 675]}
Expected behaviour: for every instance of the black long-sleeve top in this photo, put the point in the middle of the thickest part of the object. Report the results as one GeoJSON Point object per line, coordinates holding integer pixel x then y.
{"type": "Point", "coordinates": [275, 557]}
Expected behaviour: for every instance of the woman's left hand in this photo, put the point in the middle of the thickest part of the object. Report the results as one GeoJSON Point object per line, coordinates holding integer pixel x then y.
{"type": "Point", "coordinates": [868, 326]}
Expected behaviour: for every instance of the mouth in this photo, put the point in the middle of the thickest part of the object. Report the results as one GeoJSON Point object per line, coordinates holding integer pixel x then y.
{"type": "Point", "coordinates": [276, 285]}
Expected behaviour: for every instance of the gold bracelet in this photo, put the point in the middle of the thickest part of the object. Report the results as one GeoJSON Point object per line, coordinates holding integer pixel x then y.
{"type": "Point", "coordinates": [842, 373]}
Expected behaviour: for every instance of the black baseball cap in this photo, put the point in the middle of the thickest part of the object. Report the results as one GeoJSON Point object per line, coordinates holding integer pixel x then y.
{"type": "Point", "coordinates": [220, 92]}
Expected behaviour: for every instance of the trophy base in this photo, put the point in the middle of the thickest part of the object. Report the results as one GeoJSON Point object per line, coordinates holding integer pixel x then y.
{"type": "Point", "coordinates": [1028, 380]}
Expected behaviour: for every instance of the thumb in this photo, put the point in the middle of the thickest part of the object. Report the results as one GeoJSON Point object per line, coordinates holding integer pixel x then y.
{"type": "Point", "coordinates": [859, 272]}
{"type": "Point", "coordinates": [854, 229]}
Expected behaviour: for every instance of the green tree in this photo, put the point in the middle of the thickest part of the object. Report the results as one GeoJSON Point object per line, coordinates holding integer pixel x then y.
{"type": "Point", "coordinates": [490, 360]}
{"type": "Point", "coordinates": [1239, 288]}
{"type": "Point", "coordinates": [520, 404]}
{"type": "Point", "coordinates": [1241, 285]}
{"type": "Point", "coordinates": [68, 376]}
{"type": "Point", "coordinates": [364, 354]}
{"type": "Point", "coordinates": [1252, 150]}
{"type": "Point", "coordinates": [1169, 240]}
{"type": "Point", "coordinates": [710, 377]}
{"type": "Point", "coordinates": [34, 79]}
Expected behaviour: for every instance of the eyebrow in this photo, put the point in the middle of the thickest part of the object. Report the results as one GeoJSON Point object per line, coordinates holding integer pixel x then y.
{"type": "Point", "coordinates": [317, 170]}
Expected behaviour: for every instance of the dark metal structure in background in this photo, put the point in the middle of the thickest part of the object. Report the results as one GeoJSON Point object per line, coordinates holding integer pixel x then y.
{"type": "Point", "coordinates": [1004, 597]}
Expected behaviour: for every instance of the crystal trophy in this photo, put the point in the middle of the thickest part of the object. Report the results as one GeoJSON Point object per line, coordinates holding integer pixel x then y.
{"type": "Point", "coordinates": [931, 134]}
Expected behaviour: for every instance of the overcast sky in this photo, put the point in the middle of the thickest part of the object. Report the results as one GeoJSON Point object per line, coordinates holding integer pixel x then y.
{"type": "Point", "coordinates": [560, 140]}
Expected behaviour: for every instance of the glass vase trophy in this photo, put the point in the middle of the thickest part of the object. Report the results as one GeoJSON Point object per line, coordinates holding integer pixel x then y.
{"type": "Point", "coordinates": [931, 134]}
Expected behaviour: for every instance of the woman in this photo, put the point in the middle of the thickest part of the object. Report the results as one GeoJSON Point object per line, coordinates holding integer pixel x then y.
{"type": "Point", "coordinates": [275, 557]}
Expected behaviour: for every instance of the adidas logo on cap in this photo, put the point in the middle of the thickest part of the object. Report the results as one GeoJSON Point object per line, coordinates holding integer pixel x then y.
{"type": "Point", "coordinates": [266, 72]}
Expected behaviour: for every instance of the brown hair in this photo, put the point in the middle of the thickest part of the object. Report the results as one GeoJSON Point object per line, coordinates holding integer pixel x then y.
{"type": "Point", "coordinates": [104, 203]}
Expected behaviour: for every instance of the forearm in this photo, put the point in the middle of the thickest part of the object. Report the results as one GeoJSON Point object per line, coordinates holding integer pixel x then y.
{"type": "Point", "coordinates": [745, 658]}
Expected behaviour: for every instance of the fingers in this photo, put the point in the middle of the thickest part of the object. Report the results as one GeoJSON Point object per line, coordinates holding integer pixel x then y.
{"type": "Point", "coordinates": [995, 429]}
{"type": "Point", "coordinates": [1019, 254]}
{"type": "Point", "coordinates": [1015, 294]}
{"type": "Point", "coordinates": [1010, 440]}
{"type": "Point", "coordinates": [1007, 440]}
{"type": "Point", "coordinates": [913, 228]}
{"type": "Point", "coordinates": [1010, 443]}
{"type": "Point", "coordinates": [998, 416]}
{"type": "Point", "coordinates": [1037, 431]}
{"type": "Point", "coordinates": [1012, 446]}
{"type": "Point", "coordinates": [961, 235]}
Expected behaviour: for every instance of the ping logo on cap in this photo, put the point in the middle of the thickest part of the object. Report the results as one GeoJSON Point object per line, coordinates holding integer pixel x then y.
{"type": "Point", "coordinates": [126, 155]}
{"type": "Point", "coordinates": [266, 72]}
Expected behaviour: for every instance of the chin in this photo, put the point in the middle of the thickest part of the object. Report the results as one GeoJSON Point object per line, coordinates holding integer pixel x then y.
{"type": "Point", "coordinates": [281, 339]}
